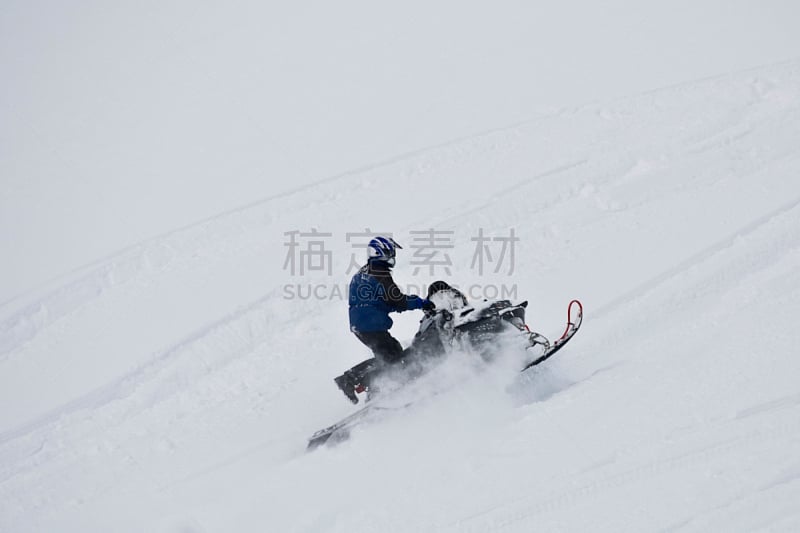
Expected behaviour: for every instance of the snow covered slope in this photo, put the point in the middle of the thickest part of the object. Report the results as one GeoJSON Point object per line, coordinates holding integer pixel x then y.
{"type": "Point", "coordinates": [171, 387]}
{"type": "Point", "coordinates": [120, 121]}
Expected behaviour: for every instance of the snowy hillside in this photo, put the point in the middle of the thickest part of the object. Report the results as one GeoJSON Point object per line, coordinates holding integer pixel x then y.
{"type": "Point", "coordinates": [171, 386]}
{"type": "Point", "coordinates": [674, 215]}
{"type": "Point", "coordinates": [120, 121]}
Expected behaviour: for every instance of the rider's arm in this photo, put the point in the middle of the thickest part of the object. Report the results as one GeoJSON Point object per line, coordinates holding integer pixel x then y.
{"type": "Point", "coordinates": [394, 296]}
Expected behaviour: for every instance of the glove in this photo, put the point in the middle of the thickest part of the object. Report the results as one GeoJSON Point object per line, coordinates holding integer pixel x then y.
{"type": "Point", "coordinates": [428, 305]}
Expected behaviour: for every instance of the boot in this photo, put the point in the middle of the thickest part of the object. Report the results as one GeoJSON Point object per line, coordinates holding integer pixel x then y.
{"type": "Point", "coordinates": [348, 385]}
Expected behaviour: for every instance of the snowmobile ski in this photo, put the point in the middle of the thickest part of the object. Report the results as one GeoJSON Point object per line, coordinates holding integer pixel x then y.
{"type": "Point", "coordinates": [574, 320]}
{"type": "Point", "coordinates": [340, 431]}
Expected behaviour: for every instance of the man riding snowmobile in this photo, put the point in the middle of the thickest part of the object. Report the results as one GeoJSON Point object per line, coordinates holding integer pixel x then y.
{"type": "Point", "coordinates": [373, 295]}
{"type": "Point", "coordinates": [487, 329]}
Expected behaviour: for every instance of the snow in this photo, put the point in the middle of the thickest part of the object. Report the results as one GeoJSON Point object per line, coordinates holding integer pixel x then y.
{"type": "Point", "coordinates": [123, 122]}
{"type": "Point", "coordinates": [169, 384]}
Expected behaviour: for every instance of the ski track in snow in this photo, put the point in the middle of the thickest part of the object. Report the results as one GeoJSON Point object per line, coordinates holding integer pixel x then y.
{"type": "Point", "coordinates": [673, 215]}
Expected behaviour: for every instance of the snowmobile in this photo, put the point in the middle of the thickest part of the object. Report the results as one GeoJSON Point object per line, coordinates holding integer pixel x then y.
{"type": "Point", "coordinates": [482, 328]}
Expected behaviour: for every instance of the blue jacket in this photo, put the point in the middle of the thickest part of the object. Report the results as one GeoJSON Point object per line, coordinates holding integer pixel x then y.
{"type": "Point", "coordinates": [373, 295]}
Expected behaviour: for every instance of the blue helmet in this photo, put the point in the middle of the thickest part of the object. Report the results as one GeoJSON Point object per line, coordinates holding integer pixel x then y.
{"type": "Point", "coordinates": [382, 249]}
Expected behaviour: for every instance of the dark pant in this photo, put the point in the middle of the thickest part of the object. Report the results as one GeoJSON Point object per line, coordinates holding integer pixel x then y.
{"type": "Point", "coordinates": [386, 348]}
